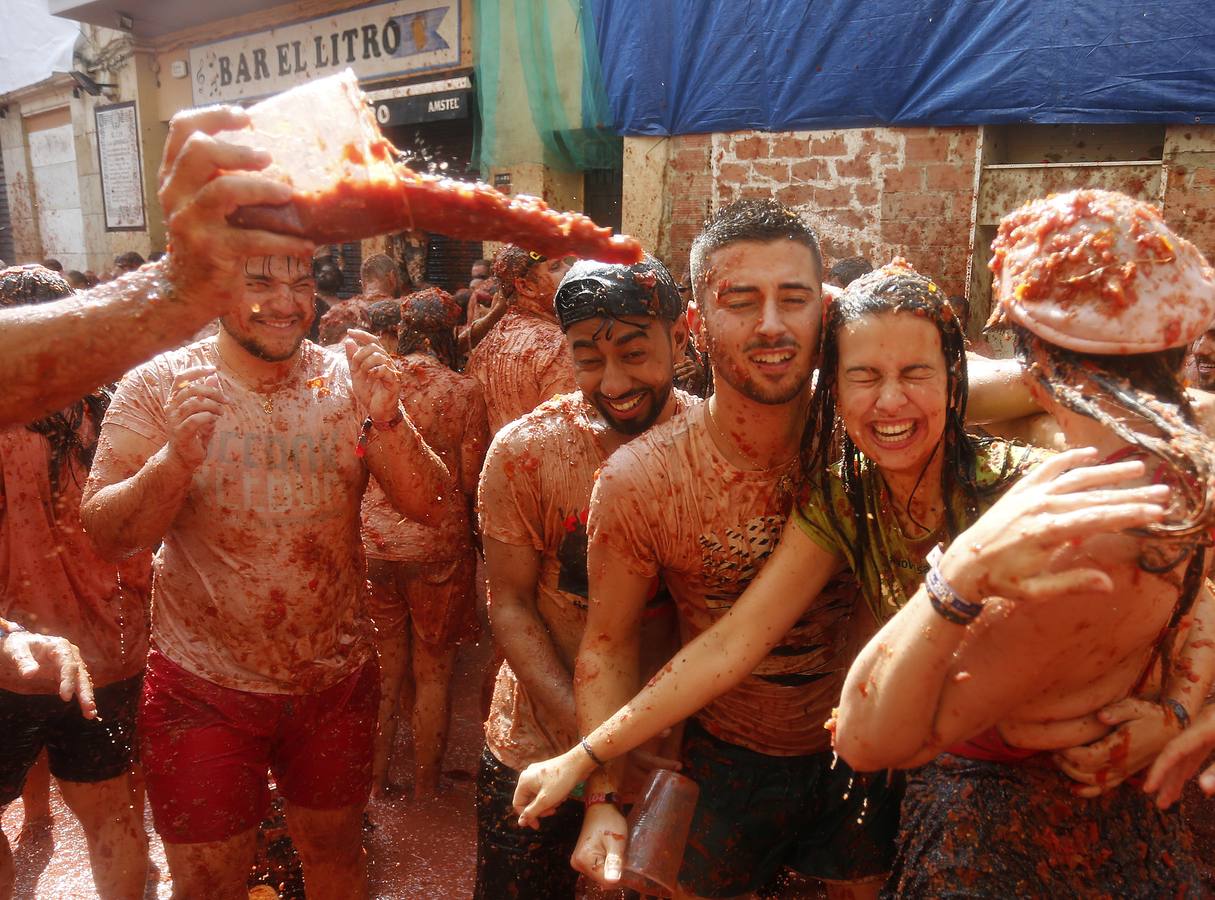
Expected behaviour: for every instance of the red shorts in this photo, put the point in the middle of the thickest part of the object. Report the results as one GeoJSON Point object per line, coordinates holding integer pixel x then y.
{"type": "Point", "coordinates": [206, 749]}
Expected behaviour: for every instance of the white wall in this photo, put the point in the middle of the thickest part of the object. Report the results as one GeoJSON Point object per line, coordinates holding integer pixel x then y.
{"type": "Point", "coordinates": [57, 195]}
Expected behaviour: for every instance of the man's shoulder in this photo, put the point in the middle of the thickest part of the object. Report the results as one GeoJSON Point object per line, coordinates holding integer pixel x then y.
{"type": "Point", "coordinates": [560, 423]}
{"type": "Point", "coordinates": [164, 365]}
{"type": "Point", "coordinates": [671, 436]}
{"type": "Point", "coordinates": [531, 327]}
{"type": "Point", "coordinates": [449, 392]}
{"type": "Point", "coordinates": [654, 457]}
{"type": "Point", "coordinates": [326, 362]}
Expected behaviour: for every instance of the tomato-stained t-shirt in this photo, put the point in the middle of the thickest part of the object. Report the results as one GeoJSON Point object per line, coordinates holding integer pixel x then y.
{"type": "Point", "coordinates": [670, 504]}
{"type": "Point", "coordinates": [896, 563]}
{"type": "Point", "coordinates": [449, 412]}
{"type": "Point", "coordinates": [535, 492]}
{"type": "Point", "coordinates": [52, 578]}
{"type": "Point", "coordinates": [523, 361]}
{"type": "Point", "coordinates": [258, 584]}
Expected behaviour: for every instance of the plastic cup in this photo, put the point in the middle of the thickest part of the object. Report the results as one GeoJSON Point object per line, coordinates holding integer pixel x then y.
{"type": "Point", "coordinates": [658, 833]}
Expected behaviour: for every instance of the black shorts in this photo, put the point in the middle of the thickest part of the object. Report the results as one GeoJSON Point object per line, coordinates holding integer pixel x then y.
{"type": "Point", "coordinates": [81, 750]}
{"type": "Point", "coordinates": [758, 814]}
{"type": "Point", "coordinates": [516, 862]}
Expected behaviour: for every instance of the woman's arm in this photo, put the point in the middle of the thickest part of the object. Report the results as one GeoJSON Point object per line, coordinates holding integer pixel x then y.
{"type": "Point", "coordinates": [1141, 727]}
{"type": "Point", "coordinates": [723, 655]}
{"type": "Point", "coordinates": [905, 697]}
{"type": "Point", "coordinates": [717, 660]}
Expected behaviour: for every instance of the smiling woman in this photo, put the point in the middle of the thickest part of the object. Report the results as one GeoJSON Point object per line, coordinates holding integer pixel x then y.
{"type": "Point", "coordinates": [894, 363]}
{"type": "Point", "coordinates": [893, 368]}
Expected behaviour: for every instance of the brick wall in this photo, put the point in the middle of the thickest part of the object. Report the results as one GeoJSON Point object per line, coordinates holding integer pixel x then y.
{"type": "Point", "coordinates": [881, 192]}
{"type": "Point", "coordinates": [688, 197]}
{"type": "Point", "coordinates": [876, 192]}
{"type": "Point", "coordinates": [1189, 184]}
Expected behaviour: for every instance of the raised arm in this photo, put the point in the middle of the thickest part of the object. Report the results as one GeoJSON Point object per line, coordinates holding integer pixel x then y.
{"type": "Point", "coordinates": [474, 332]}
{"type": "Point", "coordinates": [997, 391]}
{"type": "Point", "coordinates": [52, 354]}
{"type": "Point", "coordinates": [137, 484]}
{"type": "Point", "coordinates": [413, 477]}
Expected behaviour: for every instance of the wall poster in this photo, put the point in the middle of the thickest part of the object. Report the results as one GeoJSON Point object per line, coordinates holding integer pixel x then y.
{"type": "Point", "coordinates": [121, 167]}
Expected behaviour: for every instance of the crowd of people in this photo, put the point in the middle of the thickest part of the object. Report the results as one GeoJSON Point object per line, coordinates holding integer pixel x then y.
{"type": "Point", "coordinates": [82, 281]}
{"type": "Point", "coordinates": [773, 524]}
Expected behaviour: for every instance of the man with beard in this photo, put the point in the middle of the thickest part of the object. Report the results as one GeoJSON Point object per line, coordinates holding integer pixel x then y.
{"type": "Point", "coordinates": [523, 361]}
{"type": "Point", "coordinates": [244, 454]}
{"type": "Point", "coordinates": [700, 503]}
{"type": "Point", "coordinates": [1200, 361]}
{"type": "Point", "coordinates": [625, 328]}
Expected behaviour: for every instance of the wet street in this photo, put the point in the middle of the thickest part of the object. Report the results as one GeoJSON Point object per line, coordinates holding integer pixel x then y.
{"type": "Point", "coordinates": [415, 850]}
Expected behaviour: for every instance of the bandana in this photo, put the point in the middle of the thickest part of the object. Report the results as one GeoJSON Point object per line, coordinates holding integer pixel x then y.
{"type": "Point", "coordinates": [593, 290]}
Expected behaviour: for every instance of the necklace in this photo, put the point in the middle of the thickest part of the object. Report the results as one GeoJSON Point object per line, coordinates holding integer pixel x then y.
{"type": "Point", "coordinates": [728, 443]}
{"type": "Point", "coordinates": [265, 397]}
{"type": "Point", "coordinates": [912, 530]}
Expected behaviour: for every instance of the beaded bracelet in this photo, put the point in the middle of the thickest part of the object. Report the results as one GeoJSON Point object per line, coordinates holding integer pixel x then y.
{"type": "Point", "coordinates": [948, 604]}
{"type": "Point", "coordinates": [586, 745]}
{"type": "Point", "coordinates": [360, 447]}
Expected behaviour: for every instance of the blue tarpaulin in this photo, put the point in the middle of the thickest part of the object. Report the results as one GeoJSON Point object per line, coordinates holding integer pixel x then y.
{"type": "Point", "coordinates": [686, 66]}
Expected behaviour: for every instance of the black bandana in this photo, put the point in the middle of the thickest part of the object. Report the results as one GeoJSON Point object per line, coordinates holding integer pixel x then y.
{"type": "Point", "coordinates": [593, 290]}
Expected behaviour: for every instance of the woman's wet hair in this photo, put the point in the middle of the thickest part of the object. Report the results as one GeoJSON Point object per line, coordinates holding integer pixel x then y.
{"type": "Point", "coordinates": [892, 289]}
{"type": "Point", "coordinates": [1145, 389]}
{"type": "Point", "coordinates": [384, 315]}
{"type": "Point", "coordinates": [427, 320]}
{"type": "Point", "coordinates": [1142, 388]}
{"type": "Point", "coordinates": [31, 285]}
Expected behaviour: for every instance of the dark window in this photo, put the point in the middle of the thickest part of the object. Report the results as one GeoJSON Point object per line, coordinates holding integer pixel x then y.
{"type": "Point", "coordinates": [443, 148]}
{"type": "Point", "coordinates": [603, 190]}
{"type": "Point", "coordinates": [448, 261]}
{"type": "Point", "coordinates": [1030, 144]}
{"type": "Point", "coordinates": [6, 224]}
{"type": "Point", "coordinates": [352, 264]}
